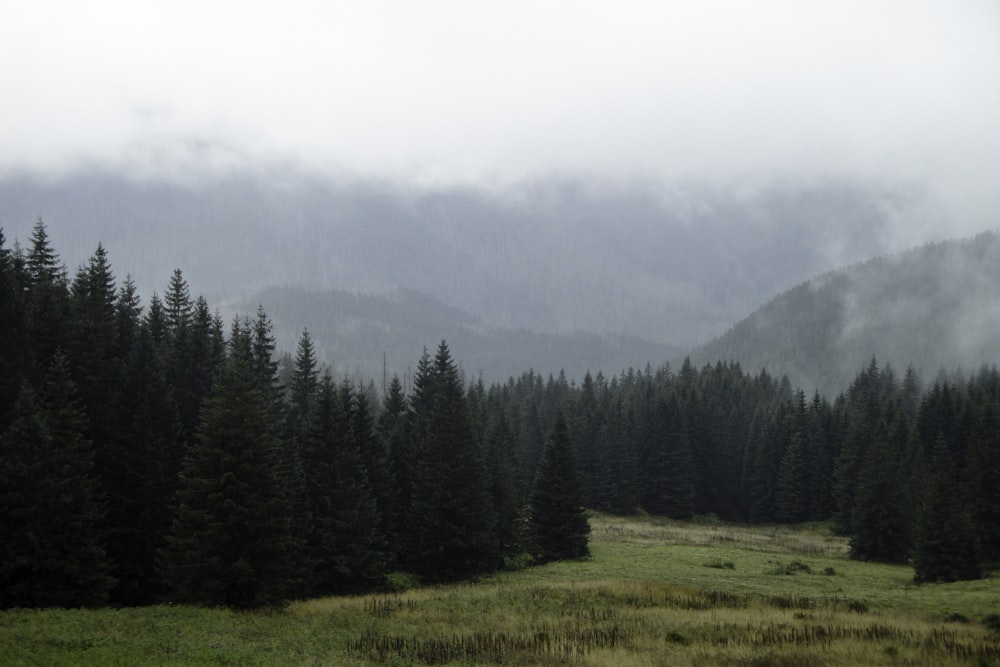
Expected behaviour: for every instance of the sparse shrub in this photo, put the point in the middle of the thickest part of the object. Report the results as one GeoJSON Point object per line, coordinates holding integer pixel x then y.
{"type": "Point", "coordinates": [720, 564]}
{"type": "Point", "coordinates": [401, 581]}
{"type": "Point", "coordinates": [798, 566]}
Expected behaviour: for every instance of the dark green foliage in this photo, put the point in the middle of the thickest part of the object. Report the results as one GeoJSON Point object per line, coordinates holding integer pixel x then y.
{"type": "Point", "coordinates": [945, 547]}
{"type": "Point", "coordinates": [450, 513]}
{"type": "Point", "coordinates": [48, 304]}
{"type": "Point", "coordinates": [345, 546]}
{"type": "Point", "coordinates": [984, 480]}
{"type": "Point", "coordinates": [558, 521]}
{"type": "Point", "coordinates": [669, 464]}
{"type": "Point", "coordinates": [51, 549]}
{"type": "Point", "coordinates": [267, 491]}
{"type": "Point", "coordinates": [14, 342]}
{"type": "Point", "coordinates": [229, 541]}
{"type": "Point", "coordinates": [618, 475]}
{"type": "Point", "coordinates": [374, 460]}
{"type": "Point", "coordinates": [881, 521]}
{"type": "Point", "coordinates": [506, 491]}
{"type": "Point", "coordinates": [401, 462]}
{"type": "Point", "coordinates": [138, 466]}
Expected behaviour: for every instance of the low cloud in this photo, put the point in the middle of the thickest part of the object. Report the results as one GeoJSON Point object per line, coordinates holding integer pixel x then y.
{"type": "Point", "coordinates": [441, 93]}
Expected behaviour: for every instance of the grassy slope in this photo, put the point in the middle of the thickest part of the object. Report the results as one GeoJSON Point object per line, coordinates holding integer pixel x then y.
{"type": "Point", "coordinates": [645, 598]}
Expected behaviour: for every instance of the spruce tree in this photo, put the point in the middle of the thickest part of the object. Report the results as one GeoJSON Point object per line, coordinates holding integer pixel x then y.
{"type": "Point", "coordinates": [669, 469]}
{"type": "Point", "coordinates": [506, 492]}
{"type": "Point", "coordinates": [346, 549]}
{"type": "Point", "coordinates": [93, 347]}
{"type": "Point", "coordinates": [945, 547]}
{"type": "Point", "coordinates": [51, 549]}
{"type": "Point", "coordinates": [392, 433]}
{"type": "Point", "coordinates": [558, 521]}
{"type": "Point", "coordinates": [139, 467]}
{"type": "Point", "coordinates": [881, 522]}
{"type": "Point", "coordinates": [983, 476]}
{"type": "Point", "coordinates": [229, 541]}
{"type": "Point", "coordinates": [374, 459]}
{"type": "Point", "coordinates": [450, 514]}
{"type": "Point", "coordinates": [48, 305]}
{"type": "Point", "coordinates": [15, 362]}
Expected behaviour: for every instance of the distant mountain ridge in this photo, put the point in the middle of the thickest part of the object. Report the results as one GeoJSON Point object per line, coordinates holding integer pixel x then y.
{"type": "Point", "coordinates": [935, 307]}
{"type": "Point", "coordinates": [672, 265]}
{"type": "Point", "coordinates": [353, 333]}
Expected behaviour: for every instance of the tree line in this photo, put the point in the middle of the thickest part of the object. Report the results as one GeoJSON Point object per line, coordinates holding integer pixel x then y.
{"type": "Point", "coordinates": [152, 453]}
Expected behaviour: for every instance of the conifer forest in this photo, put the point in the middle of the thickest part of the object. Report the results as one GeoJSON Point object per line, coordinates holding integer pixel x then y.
{"type": "Point", "coordinates": [152, 452]}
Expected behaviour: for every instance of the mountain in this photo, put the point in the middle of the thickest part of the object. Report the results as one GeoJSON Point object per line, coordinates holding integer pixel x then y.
{"type": "Point", "coordinates": [354, 333]}
{"type": "Point", "coordinates": [936, 307]}
{"type": "Point", "coordinates": [673, 265]}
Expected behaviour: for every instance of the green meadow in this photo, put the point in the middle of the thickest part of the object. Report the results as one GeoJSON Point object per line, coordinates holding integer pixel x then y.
{"type": "Point", "coordinates": [654, 592]}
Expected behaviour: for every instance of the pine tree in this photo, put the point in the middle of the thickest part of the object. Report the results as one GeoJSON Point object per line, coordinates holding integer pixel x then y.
{"type": "Point", "coordinates": [983, 476]}
{"type": "Point", "coordinates": [506, 492]}
{"type": "Point", "coordinates": [450, 514]}
{"type": "Point", "coordinates": [558, 522]}
{"type": "Point", "coordinates": [945, 547]}
{"type": "Point", "coordinates": [345, 545]}
{"type": "Point", "coordinates": [139, 467]}
{"type": "Point", "coordinates": [374, 461]}
{"type": "Point", "coordinates": [229, 541]}
{"type": "Point", "coordinates": [128, 316]}
{"type": "Point", "coordinates": [15, 362]}
{"type": "Point", "coordinates": [791, 501]}
{"type": "Point", "coordinates": [669, 467]}
{"type": "Point", "coordinates": [881, 522]}
{"type": "Point", "coordinates": [51, 549]}
{"type": "Point", "coordinates": [305, 378]}
{"type": "Point", "coordinates": [47, 307]}
{"type": "Point", "coordinates": [93, 347]}
{"type": "Point", "coordinates": [391, 428]}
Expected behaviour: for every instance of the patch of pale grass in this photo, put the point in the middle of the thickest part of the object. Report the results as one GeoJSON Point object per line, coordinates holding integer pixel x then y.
{"type": "Point", "coordinates": [809, 539]}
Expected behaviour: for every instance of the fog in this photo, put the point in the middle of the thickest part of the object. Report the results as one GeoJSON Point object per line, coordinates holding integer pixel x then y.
{"type": "Point", "coordinates": [624, 168]}
{"type": "Point", "coordinates": [440, 93]}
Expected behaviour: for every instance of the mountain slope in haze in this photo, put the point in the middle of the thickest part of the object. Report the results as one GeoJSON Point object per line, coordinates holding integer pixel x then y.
{"type": "Point", "coordinates": [353, 333]}
{"type": "Point", "coordinates": [935, 307]}
{"type": "Point", "coordinates": [671, 265]}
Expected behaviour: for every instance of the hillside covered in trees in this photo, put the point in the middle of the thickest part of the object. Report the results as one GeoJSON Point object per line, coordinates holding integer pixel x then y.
{"type": "Point", "coordinates": [932, 308]}
{"type": "Point", "coordinates": [152, 453]}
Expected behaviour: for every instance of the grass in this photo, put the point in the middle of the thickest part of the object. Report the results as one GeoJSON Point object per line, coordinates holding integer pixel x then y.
{"type": "Point", "coordinates": [654, 592]}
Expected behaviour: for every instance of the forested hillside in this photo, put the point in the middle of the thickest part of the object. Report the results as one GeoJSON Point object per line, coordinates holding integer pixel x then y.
{"type": "Point", "coordinates": [933, 308]}
{"type": "Point", "coordinates": [151, 453]}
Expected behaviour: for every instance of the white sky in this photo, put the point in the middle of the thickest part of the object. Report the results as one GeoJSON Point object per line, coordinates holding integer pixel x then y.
{"type": "Point", "coordinates": [461, 91]}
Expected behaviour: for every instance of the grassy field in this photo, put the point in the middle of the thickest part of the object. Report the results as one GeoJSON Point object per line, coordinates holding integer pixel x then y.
{"type": "Point", "coordinates": [655, 592]}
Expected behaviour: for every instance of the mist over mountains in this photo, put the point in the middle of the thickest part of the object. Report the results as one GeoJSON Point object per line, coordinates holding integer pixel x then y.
{"type": "Point", "coordinates": [672, 266]}
{"type": "Point", "coordinates": [936, 308]}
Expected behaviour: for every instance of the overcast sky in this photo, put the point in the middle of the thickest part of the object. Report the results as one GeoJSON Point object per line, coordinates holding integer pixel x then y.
{"type": "Point", "coordinates": [441, 92]}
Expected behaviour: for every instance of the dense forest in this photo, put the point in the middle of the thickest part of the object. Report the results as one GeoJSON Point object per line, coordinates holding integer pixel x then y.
{"type": "Point", "coordinates": [156, 453]}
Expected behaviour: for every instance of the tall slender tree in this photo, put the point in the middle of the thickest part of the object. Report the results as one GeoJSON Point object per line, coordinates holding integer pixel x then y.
{"type": "Point", "coordinates": [229, 541]}
{"type": "Point", "coordinates": [450, 513]}
{"type": "Point", "coordinates": [558, 521]}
